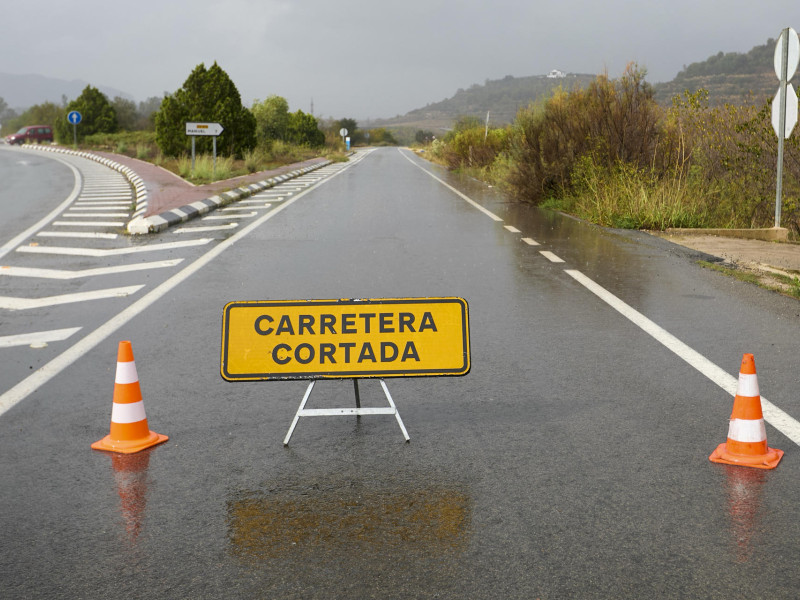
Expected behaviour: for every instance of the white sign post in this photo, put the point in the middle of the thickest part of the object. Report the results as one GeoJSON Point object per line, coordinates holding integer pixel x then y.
{"type": "Point", "coordinates": [213, 129]}
{"type": "Point", "coordinates": [784, 106]}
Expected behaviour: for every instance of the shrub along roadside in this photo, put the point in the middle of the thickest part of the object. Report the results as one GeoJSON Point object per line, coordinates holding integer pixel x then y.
{"type": "Point", "coordinates": [610, 154]}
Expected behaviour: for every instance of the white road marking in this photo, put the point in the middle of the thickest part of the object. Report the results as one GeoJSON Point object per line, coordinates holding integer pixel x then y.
{"type": "Point", "coordinates": [205, 229]}
{"type": "Point", "coordinates": [88, 224]}
{"type": "Point", "coordinates": [5, 249]}
{"type": "Point", "coordinates": [512, 229]}
{"type": "Point", "coordinates": [106, 215]}
{"type": "Point", "coordinates": [39, 338]}
{"type": "Point", "coordinates": [773, 415]}
{"type": "Point", "coordinates": [464, 197]}
{"type": "Point", "coordinates": [42, 375]}
{"type": "Point", "coordinates": [99, 252]}
{"type": "Point", "coordinates": [530, 241]}
{"type": "Point", "coordinates": [78, 234]}
{"type": "Point", "coordinates": [67, 274]}
{"type": "Point", "coordinates": [11, 303]}
{"type": "Point", "coordinates": [550, 256]}
{"type": "Point", "coordinates": [229, 216]}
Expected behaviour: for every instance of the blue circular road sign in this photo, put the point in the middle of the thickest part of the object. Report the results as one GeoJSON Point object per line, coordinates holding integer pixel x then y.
{"type": "Point", "coordinates": [74, 117]}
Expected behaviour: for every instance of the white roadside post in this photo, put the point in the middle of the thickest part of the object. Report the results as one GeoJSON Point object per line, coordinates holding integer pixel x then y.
{"type": "Point", "coordinates": [784, 106]}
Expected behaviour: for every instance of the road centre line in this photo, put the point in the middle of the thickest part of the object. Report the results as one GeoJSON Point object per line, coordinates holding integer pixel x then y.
{"type": "Point", "coordinates": [776, 417]}
{"type": "Point", "coordinates": [11, 303]}
{"type": "Point", "coordinates": [530, 241]}
{"type": "Point", "coordinates": [99, 252]}
{"type": "Point", "coordinates": [67, 274]}
{"type": "Point", "coordinates": [464, 197]}
{"type": "Point", "coordinates": [512, 229]}
{"type": "Point", "coordinates": [38, 337]}
{"type": "Point", "coordinates": [45, 373]}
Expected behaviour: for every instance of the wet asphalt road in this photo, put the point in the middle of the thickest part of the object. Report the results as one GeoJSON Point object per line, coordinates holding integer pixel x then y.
{"type": "Point", "coordinates": [571, 462]}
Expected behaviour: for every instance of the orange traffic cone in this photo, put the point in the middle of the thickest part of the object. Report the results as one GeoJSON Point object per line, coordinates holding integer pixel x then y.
{"type": "Point", "coordinates": [747, 435]}
{"type": "Point", "coordinates": [129, 430]}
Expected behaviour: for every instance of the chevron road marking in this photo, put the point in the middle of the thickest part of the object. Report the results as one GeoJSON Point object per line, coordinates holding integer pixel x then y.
{"type": "Point", "coordinates": [11, 303]}
{"type": "Point", "coordinates": [37, 339]}
{"type": "Point", "coordinates": [78, 234]}
{"type": "Point", "coordinates": [99, 252]}
{"type": "Point", "coordinates": [67, 274]}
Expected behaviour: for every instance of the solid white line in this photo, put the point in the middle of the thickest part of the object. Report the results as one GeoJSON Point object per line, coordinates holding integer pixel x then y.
{"type": "Point", "coordinates": [46, 372]}
{"type": "Point", "coordinates": [11, 245]}
{"type": "Point", "coordinates": [99, 252]}
{"type": "Point", "coordinates": [65, 274]}
{"type": "Point", "coordinates": [530, 242]}
{"type": "Point", "coordinates": [550, 256]}
{"type": "Point", "coordinates": [78, 234]}
{"type": "Point", "coordinates": [772, 414]}
{"type": "Point", "coordinates": [39, 337]}
{"type": "Point", "coordinates": [469, 200]}
{"type": "Point", "coordinates": [10, 303]}
{"type": "Point", "coordinates": [512, 229]}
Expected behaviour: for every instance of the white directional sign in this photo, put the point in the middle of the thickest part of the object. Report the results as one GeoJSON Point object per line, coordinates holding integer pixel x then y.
{"type": "Point", "coordinates": [791, 111]}
{"type": "Point", "coordinates": [203, 129]}
{"type": "Point", "coordinates": [793, 54]}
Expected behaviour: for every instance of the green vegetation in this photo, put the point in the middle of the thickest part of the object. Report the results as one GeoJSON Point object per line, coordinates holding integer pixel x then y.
{"type": "Point", "coordinates": [609, 153]}
{"type": "Point", "coordinates": [207, 95]}
{"type": "Point", "coordinates": [98, 116]}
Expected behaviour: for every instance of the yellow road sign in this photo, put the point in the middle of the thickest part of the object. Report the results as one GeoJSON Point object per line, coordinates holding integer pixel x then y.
{"type": "Point", "coordinates": [316, 339]}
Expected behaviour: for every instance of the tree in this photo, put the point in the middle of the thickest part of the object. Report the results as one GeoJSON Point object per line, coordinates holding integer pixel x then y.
{"type": "Point", "coordinates": [207, 95]}
{"type": "Point", "coordinates": [127, 116]}
{"type": "Point", "coordinates": [303, 129]}
{"type": "Point", "coordinates": [98, 115]}
{"type": "Point", "coordinates": [272, 119]}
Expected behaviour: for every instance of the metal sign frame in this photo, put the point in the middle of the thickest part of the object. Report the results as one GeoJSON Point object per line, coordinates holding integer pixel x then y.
{"type": "Point", "coordinates": [455, 326]}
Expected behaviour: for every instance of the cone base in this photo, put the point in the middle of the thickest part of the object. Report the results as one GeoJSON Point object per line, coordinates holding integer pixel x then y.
{"type": "Point", "coordinates": [129, 446]}
{"type": "Point", "coordinates": [769, 460]}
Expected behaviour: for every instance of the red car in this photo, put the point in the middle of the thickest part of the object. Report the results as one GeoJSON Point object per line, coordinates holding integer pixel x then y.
{"type": "Point", "coordinates": [31, 133]}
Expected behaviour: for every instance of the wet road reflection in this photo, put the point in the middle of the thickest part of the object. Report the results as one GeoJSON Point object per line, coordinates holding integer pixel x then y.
{"type": "Point", "coordinates": [130, 476]}
{"type": "Point", "coordinates": [744, 487]}
{"type": "Point", "coordinates": [342, 516]}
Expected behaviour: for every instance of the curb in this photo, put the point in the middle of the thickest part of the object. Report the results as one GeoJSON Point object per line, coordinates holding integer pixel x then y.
{"type": "Point", "coordinates": [156, 223]}
{"type": "Point", "coordinates": [139, 225]}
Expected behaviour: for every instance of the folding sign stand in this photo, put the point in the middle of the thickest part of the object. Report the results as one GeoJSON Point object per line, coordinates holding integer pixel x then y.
{"type": "Point", "coordinates": [302, 411]}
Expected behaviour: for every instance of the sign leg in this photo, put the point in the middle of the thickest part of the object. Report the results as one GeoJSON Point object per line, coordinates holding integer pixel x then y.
{"type": "Point", "coordinates": [396, 414]}
{"type": "Point", "coordinates": [297, 414]}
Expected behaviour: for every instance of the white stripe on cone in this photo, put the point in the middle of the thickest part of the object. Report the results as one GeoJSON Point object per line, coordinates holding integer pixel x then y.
{"type": "Point", "coordinates": [748, 386]}
{"type": "Point", "coordinates": [126, 372]}
{"type": "Point", "coordinates": [127, 413]}
{"type": "Point", "coordinates": [747, 430]}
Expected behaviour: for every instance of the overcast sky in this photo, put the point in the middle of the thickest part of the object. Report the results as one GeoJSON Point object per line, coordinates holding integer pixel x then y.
{"type": "Point", "coordinates": [372, 58]}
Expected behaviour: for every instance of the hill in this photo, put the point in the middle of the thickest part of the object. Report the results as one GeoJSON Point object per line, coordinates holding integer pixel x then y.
{"type": "Point", "coordinates": [23, 91]}
{"type": "Point", "coordinates": [500, 97]}
{"type": "Point", "coordinates": [730, 78]}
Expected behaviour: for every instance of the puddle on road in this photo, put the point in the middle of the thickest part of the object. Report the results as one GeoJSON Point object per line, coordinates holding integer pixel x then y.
{"type": "Point", "coordinates": [346, 516]}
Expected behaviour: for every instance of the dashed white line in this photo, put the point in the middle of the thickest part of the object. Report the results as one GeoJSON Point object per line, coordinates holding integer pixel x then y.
{"type": "Point", "coordinates": [550, 256]}
{"type": "Point", "coordinates": [530, 241]}
{"type": "Point", "coordinates": [512, 229]}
